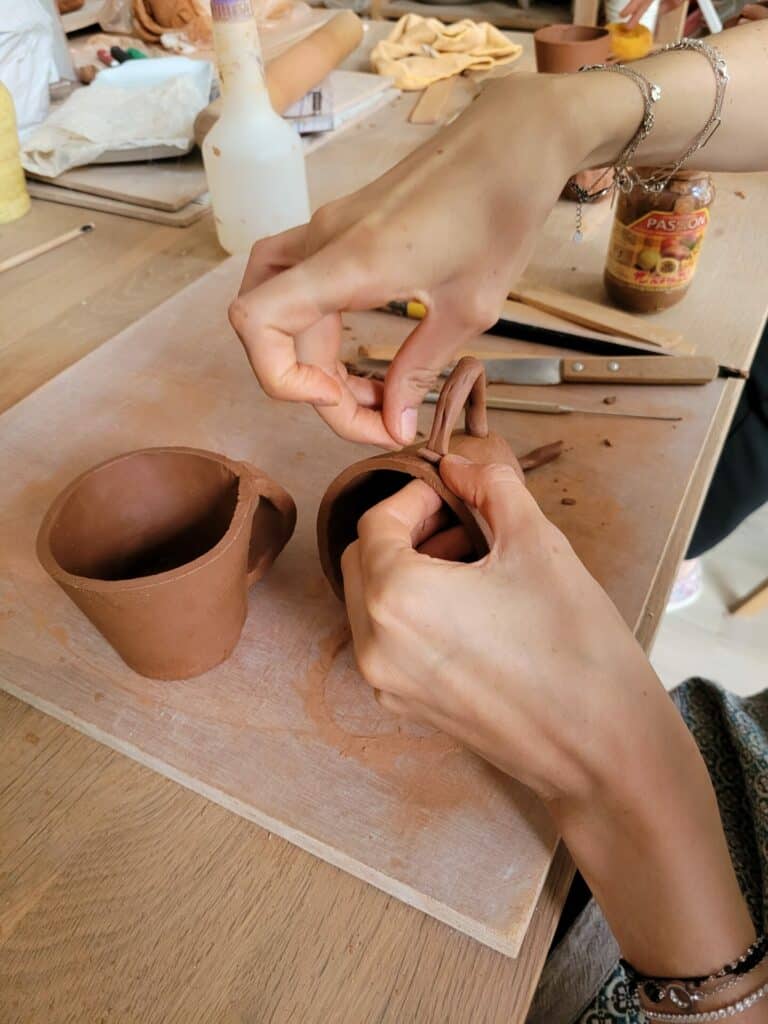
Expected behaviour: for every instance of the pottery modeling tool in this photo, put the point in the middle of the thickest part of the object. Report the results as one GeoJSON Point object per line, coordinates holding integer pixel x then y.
{"type": "Point", "coordinates": [107, 59]}
{"type": "Point", "coordinates": [594, 315]}
{"type": "Point", "coordinates": [507, 327]}
{"type": "Point", "coordinates": [555, 408]}
{"type": "Point", "coordinates": [119, 54]}
{"type": "Point", "coordinates": [534, 370]}
{"type": "Point", "coordinates": [38, 250]}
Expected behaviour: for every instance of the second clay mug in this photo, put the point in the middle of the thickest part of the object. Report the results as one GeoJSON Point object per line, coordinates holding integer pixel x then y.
{"type": "Point", "coordinates": [158, 548]}
{"type": "Point", "coordinates": [366, 483]}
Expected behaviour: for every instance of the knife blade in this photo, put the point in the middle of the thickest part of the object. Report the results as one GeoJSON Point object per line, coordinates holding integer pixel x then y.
{"type": "Point", "coordinates": [596, 370]}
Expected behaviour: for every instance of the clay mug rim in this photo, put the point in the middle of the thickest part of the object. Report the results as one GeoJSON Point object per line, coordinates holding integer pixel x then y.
{"type": "Point", "coordinates": [564, 48]}
{"type": "Point", "coordinates": [253, 484]}
{"type": "Point", "coordinates": [555, 35]}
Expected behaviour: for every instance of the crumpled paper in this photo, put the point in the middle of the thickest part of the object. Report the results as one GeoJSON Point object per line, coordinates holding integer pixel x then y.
{"type": "Point", "coordinates": [100, 119]}
{"type": "Point", "coordinates": [419, 51]}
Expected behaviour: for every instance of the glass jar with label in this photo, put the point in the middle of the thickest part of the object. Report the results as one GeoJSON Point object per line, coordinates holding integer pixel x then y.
{"type": "Point", "coordinates": [656, 241]}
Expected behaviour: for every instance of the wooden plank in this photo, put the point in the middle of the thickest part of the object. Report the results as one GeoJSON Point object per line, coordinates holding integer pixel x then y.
{"type": "Point", "coordinates": [159, 184]}
{"type": "Point", "coordinates": [319, 762]}
{"type": "Point", "coordinates": [124, 897]}
{"type": "Point", "coordinates": [522, 17]}
{"type": "Point", "coordinates": [595, 314]}
{"type": "Point", "coordinates": [180, 218]}
{"type": "Point", "coordinates": [433, 102]}
{"type": "Point", "coordinates": [671, 24]}
{"type": "Point", "coordinates": [585, 12]}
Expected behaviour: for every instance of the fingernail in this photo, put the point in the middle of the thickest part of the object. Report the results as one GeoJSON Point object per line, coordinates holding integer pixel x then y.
{"type": "Point", "coordinates": [408, 424]}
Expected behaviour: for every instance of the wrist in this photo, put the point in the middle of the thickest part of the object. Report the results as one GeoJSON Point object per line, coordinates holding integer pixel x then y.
{"type": "Point", "coordinates": [602, 114]}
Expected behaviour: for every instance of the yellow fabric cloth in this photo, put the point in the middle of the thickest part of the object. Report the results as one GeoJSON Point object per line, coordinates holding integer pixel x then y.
{"type": "Point", "coordinates": [419, 51]}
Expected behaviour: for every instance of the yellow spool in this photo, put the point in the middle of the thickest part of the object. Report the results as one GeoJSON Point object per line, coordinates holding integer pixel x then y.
{"type": "Point", "coordinates": [14, 198]}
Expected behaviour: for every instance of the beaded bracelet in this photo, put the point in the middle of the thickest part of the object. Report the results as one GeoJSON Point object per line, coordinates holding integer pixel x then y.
{"type": "Point", "coordinates": [685, 992]}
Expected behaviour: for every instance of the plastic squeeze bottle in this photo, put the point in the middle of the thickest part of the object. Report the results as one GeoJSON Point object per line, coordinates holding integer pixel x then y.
{"type": "Point", "coordinates": [254, 160]}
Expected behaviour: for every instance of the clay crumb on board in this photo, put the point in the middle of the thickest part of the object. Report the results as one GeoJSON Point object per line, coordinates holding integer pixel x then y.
{"type": "Point", "coordinates": [609, 400]}
{"type": "Point", "coordinates": [567, 501]}
{"type": "Point", "coordinates": [740, 194]}
{"type": "Point", "coordinates": [607, 442]}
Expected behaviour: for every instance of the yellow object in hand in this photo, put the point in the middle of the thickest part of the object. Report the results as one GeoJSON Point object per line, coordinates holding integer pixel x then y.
{"type": "Point", "coordinates": [14, 198]}
{"type": "Point", "coordinates": [630, 43]}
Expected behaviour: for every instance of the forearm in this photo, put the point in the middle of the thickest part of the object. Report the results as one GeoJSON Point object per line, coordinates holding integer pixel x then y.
{"type": "Point", "coordinates": [650, 844]}
{"type": "Point", "coordinates": [607, 109]}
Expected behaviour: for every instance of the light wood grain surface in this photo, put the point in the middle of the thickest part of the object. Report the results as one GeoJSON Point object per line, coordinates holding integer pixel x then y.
{"type": "Point", "coordinates": [124, 897]}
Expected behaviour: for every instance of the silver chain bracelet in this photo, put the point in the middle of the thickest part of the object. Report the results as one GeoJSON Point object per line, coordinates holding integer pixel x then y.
{"type": "Point", "coordinates": [625, 177]}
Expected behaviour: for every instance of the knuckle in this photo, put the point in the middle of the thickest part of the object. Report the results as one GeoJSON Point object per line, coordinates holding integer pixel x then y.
{"type": "Point", "coordinates": [481, 311]}
{"type": "Point", "coordinates": [368, 661]}
{"type": "Point", "coordinates": [383, 599]}
{"type": "Point", "coordinates": [238, 315]}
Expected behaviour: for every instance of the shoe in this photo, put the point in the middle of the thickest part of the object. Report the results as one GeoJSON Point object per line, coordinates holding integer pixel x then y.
{"type": "Point", "coordinates": [688, 585]}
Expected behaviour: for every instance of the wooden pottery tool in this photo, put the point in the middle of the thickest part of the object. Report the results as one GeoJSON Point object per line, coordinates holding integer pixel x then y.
{"type": "Point", "coordinates": [509, 326]}
{"type": "Point", "coordinates": [366, 483]}
{"type": "Point", "coordinates": [594, 315]}
{"type": "Point", "coordinates": [38, 250]}
{"type": "Point", "coordinates": [556, 408]}
{"type": "Point", "coordinates": [159, 547]}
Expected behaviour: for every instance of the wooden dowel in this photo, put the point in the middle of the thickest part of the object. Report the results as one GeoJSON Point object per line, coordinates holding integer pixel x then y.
{"type": "Point", "coordinates": [38, 250]}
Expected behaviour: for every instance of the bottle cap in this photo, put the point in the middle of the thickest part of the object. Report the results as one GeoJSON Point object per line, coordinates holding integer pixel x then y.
{"type": "Point", "coordinates": [231, 10]}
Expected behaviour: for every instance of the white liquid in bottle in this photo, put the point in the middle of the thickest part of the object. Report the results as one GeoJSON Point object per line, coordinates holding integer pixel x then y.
{"type": "Point", "coordinates": [254, 161]}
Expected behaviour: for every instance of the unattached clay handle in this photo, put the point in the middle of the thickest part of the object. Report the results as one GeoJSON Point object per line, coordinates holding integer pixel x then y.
{"type": "Point", "coordinates": [464, 387]}
{"type": "Point", "coordinates": [274, 520]}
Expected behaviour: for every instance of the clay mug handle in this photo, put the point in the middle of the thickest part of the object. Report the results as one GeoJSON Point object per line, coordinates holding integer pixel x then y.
{"type": "Point", "coordinates": [465, 387]}
{"type": "Point", "coordinates": [273, 523]}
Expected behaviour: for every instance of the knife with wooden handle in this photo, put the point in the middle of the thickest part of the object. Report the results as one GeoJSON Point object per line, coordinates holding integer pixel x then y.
{"type": "Point", "coordinates": [602, 370]}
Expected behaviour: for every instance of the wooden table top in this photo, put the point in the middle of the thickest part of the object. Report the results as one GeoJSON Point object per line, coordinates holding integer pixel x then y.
{"type": "Point", "coordinates": [124, 897]}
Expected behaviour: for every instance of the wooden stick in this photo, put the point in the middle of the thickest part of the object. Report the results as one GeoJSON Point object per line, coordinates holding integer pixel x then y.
{"type": "Point", "coordinates": [555, 408]}
{"type": "Point", "coordinates": [38, 250]}
{"type": "Point", "coordinates": [594, 314]}
{"type": "Point", "coordinates": [752, 602]}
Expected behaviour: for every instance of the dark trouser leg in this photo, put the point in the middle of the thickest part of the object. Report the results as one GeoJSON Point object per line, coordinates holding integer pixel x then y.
{"type": "Point", "coordinates": [740, 483]}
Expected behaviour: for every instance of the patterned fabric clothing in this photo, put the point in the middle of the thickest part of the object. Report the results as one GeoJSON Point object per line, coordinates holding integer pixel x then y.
{"type": "Point", "coordinates": [583, 982]}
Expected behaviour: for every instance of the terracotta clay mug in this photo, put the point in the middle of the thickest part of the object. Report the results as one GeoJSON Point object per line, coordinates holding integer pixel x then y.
{"type": "Point", "coordinates": [562, 49]}
{"type": "Point", "coordinates": [158, 549]}
{"type": "Point", "coordinates": [366, 483]}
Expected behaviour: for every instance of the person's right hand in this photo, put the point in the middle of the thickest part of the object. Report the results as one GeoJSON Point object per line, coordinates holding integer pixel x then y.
{"type": "Point", "coordinates": [635, 9]}
{"type": "Point", "coordinates": [452, 225]}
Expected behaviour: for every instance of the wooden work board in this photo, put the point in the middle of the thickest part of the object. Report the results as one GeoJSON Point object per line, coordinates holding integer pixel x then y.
{"type": "Point", "coordinates": [286, 733]}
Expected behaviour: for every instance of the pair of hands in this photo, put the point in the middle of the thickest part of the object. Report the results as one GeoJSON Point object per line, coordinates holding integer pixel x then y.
{"type": "Point", "coordinates": [483, 651]}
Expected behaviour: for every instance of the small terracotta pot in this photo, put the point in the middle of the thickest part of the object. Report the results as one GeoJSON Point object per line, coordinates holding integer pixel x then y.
{"type": "Point", "coordinates": [366, 483]}
{"type": "Point", "coordinates": [158, 549]}
{"type": "Point", "coordinates": [561, 49]}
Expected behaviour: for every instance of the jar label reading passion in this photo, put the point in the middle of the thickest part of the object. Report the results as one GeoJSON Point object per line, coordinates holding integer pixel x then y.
{"type": "Point", "coordinates": [658, 251]}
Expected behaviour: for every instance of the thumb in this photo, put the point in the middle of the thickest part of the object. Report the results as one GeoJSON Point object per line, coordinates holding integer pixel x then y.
{"type": "Point", "coordinates": [496, 491]}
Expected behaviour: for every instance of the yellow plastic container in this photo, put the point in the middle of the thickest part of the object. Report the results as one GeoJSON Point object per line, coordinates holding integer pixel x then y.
{"type": "Point", "coordinates": [14, 198]}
